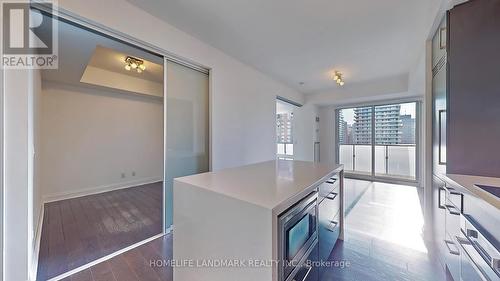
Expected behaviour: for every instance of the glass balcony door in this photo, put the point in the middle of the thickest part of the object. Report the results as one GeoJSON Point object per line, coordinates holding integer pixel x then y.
{"type": "Point", "coordinates": [379, 141]}
{"type": "Point", "coordinates": [355, 139]}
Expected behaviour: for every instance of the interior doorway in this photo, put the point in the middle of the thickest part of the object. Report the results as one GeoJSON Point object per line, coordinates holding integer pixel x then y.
{"type": "Point", "coordinates": [116, 87]}
{"type": "Point", "coordinates": [109, 135]}
{"type": "Point", "coordinates": [98, 137]}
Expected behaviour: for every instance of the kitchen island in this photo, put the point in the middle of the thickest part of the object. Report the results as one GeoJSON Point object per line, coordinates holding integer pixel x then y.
{"type": "Point", "coordinates": [256, 222]}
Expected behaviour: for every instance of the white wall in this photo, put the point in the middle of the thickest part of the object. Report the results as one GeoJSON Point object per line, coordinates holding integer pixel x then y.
{"type": "Point", "coordinates": [16, 220]}
{"type": "Point", "coordinates": [91, 136]}
{"type": "Point", "coordinates": [242, 112]}
{"type": "Point", "coordinates": [243, 99]}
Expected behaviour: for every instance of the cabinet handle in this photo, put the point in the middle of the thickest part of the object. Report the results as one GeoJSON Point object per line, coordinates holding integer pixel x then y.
{"type": "Point", "coordinates": [330, 181]}
{"type": "Point", "coordinates": [442, 117]}
{"type": "Point", "coordinates": [331, 227]}
{"type": "Point", "coordinates": [440, 197]}
{"type": "Point", "coordinates": [449, 207]}
{"type": "Point", "coordinates": [453, 252]}
{"type": "Point", "coordinates": [465, 245]}
{"type": "Point", "coordinates": [332, 196]}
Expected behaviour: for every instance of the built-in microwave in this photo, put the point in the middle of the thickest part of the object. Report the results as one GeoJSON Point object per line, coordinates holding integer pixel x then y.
{"type": "Point", "coordinates": [297, 234]}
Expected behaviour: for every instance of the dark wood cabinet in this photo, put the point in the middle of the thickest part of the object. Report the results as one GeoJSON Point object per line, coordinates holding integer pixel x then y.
{"type": "Point", "coordinates": [466, 118]}
{"type": "Point", "coordinates": [439, 94]}
{"type": "Point", "coordinates": [473, 109]}
{"type": "Point", "coordinates": [439, 214]}
{"type": "Point", "coordinates": [329, 218]}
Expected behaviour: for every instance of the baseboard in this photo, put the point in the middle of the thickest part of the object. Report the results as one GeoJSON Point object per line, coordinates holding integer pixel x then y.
{"type": "Point", "coordinates": [105, 258]}
{"type": "Point", "coordinates": [36, 248]}
{"type": "Point", "coordinates": [99, 189]}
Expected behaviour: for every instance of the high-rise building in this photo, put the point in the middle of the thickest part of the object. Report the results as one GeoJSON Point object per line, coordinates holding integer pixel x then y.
{"type": "Point", "coordinates": [387, 125]}
{"type": "Point", "coordinates": [407, 129]}
{"type": "Point", "coordinates": [343, 137]}
{"type": "Point", "coordinates": [362, 128]}
{"type": "Point", "coordinates": [284, 127]}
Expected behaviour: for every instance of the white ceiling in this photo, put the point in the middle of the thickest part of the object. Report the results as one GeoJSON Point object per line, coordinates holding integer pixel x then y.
{"type": "Point", "coordinates": [305, 40]}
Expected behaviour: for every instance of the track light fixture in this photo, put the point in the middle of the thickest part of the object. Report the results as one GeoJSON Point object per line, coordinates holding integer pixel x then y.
{"type": "Point", "coordinates": [135, 64]}
{"type": "Point", "coordinates": [338, 78]}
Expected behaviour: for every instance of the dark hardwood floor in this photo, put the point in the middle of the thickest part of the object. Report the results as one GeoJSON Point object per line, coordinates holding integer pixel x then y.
{"type": "Point", "coordinates": [80, 230]}
{"type": "Point", "coordinates": [383, 242]}
{"type": "Point", "coordinates": [134, 265]}
{"type": "Point", "coordinates": [383, 238]}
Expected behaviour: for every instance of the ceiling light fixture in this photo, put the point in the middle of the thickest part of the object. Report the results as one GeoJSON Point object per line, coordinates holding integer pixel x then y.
{"type": "Point", "coordinates": [338, 78]}
{"type": "Point", "coordinates": [135, 64]}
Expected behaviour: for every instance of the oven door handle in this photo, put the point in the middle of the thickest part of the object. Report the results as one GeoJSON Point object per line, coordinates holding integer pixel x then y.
{"type": "Point", "coordinates": [461, 243]}
{"type": "Point", "coordinates": [481, 243]}
{"type": "Point", "coordinates": [307, 274]}
{"type": "Point", "coordinates": [453, 252]}
{"type": "Point", "coordinates": [332, 226]}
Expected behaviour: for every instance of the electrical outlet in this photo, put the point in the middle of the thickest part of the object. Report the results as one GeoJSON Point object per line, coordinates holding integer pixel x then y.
{"type": "Point", "coordinates": [133, 173]}
{"type": "Point", "coordinates": [123, 175]}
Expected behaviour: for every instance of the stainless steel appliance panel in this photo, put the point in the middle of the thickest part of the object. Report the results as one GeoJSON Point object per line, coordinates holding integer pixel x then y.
{"type": "Point", "coordinates": [308, 271]}
{"type": "Point", "coordinates": [297, 232]}
{"type": "Point", "coordinates": [480, 251]}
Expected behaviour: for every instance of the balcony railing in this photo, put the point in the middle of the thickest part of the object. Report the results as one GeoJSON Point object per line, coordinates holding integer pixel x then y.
{"type": "Point", "coordinates": [284, 150]}
{"type": "Point", "coordinates": [390, 160]}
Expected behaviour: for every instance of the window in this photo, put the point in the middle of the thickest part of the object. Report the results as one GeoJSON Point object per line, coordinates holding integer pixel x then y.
{"type": "Point", "coordinates": [378, 141]}
{"type": "Point", "coordinates": [284, 129]}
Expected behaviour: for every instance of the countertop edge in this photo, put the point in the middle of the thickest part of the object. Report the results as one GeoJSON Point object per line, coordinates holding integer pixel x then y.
{"type": "Point", "coordinates": [281, 206]}
{"type": "Point", "coordinates": [286, 204]}
{"type": "Point", "coordinates": [487, 197]}
{"type": "Point", "coordinates": [263, 206]}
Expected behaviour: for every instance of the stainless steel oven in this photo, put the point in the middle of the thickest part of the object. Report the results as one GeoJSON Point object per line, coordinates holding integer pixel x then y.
{"type": "Point", "coordinates": [297, 235]}
{"type": "Point", "coordinates": [480, 259]}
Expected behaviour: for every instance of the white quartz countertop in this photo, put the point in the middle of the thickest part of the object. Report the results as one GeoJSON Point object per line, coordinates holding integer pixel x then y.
{"type": "Point", "coordinates": [273, 184]}
{"type": "Point", "coordinates": [469, 183]}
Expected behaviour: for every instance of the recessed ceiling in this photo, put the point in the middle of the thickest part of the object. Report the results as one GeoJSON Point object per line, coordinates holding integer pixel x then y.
{"type": "Point", "coordinates": [297, 40]}
{"type": "Point", "coordinates": [106, 68]}
{"type": "Point", "coordinates": [113, 60]}
{"type": "Point", "coordinates": [77, 47]}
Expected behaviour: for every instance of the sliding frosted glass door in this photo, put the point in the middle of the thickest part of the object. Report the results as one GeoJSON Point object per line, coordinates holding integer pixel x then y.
{"type": "Point", "coordinates": [187, 127]}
